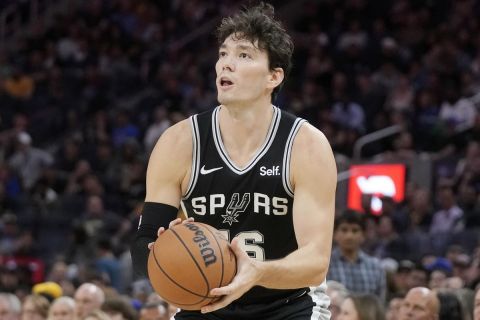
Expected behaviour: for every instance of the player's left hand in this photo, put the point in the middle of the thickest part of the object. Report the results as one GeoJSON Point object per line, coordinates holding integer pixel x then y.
{"type": "Point", "coordinates": [248, 274]}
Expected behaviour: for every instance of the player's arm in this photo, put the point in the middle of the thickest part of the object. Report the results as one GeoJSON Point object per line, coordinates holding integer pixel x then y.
{"type": "Point", "coordinates": [314, 178]}
{"type": "Point", "coordinates": [167, 170]}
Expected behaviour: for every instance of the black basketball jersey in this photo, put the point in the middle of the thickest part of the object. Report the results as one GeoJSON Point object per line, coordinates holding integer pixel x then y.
{"type": "Point", "coordinates": [254, 202]}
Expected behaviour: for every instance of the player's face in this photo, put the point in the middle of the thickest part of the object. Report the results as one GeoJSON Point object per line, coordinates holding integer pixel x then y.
{"type": "Point", "coordinates": [243, 75]}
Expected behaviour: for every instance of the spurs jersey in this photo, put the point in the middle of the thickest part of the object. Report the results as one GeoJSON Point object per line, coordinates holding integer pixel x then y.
{"type": "Point", "coordinates": [253, 203]}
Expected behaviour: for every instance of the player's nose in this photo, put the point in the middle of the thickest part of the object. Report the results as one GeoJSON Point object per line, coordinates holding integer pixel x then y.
{"type": "Point", "coordinates": [228, 64]}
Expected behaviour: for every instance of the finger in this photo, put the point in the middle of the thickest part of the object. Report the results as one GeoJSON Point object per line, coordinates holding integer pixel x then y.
{"type": "Point", "coordinates": [190, 219]}
{"type": "Point", "coordinates": [222, 291]}
{"type": "Point", "coordinates": [222, 303]}
{"type": "Point", "coordinates": [160, 231]}
{"type": "Point", "coordinates": [174, 222]}
{"type": "Point", "coordinates": [150, 245]}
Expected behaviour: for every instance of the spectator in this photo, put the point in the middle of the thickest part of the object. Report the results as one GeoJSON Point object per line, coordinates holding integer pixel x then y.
{"type": "Point", "coordinates": [466, 298]}
{"type": "Point", "coordinates": [107, 263]}
{"type": "Point", "coordinates": [438, 279]}
{"type": "Point", "coordinates": [10, 306]}
{"type": "Point", "coordinates": [62, 308]}
{"type": "Point", "coordinates": [88, 297]}
{"type": "Point", "coordinates": [450, 308]}
{"type": "Point", "coordinates": [417, 277]}
{"type": "Point", "coordinates": [155, 130]}
{"type": "Point", "coordinates": [420, 304]}
{"type": "Point", "coordinates": [449, 216]}
{"type": "Point", "coordinates": [35, 307]}
{"type": "Point", "coordinates": [337, 294]}
{"type": "Point", "coordinates": [393, 308]}
{"type": "Point", "coordinates": [457, 113]}
{"type": "Point", "coordinates": [124, 129]}
{"type": "Point", "coordinates": [119, 309]}
{"type": "Point", "coordinates": [154, 311]}
{"type": "Point", "coordinates": [349, 265]}
{"type": "Point", "coordinates": [28, 161]}
{"type": "Point", "coordinates": [96, 314]}
{"type": "Point", "coordinates": [361, 307]}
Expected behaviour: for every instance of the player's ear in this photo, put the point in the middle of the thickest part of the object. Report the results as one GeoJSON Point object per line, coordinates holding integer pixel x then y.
{"type": "Point", "coordinates": [275, 78]}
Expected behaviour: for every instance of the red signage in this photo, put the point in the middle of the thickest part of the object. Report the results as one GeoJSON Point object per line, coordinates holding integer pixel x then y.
{"type": "Point", "coordinates": [376, 180]}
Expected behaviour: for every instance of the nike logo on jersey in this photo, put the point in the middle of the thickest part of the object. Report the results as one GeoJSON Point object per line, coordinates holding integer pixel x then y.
{"type": "Point", "coordinates": [207, 171]}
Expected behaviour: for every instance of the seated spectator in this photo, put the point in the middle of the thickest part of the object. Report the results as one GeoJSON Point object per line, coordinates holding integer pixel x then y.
{"type": "Point", "coordinates": [154, 311]}
{"type": "Point", "coordinates": [420, 304]}
{"type": "Point", "coordinates": [88, 297]}
{"type": "Point", "coordinates": [449, 217]}
{"type": "Point", "coordinates": [96, 314]}
{"type": "Point", "coordinates": [393, 308]}
{"type": "Point", "coordinates": [119, 309]}
{"type": "Point", "coordinates": [450, 307]}
{"type": "Point", "coordinates": [29, 161]}
{"type": "Point", "coordinates": [438, 280]}
{"type": "Point", "coordinates": [62, 308]}
{"type": "Point", "coordinates": [361, 307]}
{"type": "Point", "coordinates": [10, 306]}
{"type": "Point", "coordinates": [35, 307]}
{"type": "Point", "coordinates": [337, 294]}
{"type": "Point", "coordinates": [466, 298]}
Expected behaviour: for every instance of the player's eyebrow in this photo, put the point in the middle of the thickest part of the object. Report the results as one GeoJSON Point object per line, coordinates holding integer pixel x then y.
{"type": "Point", "coordinates": [243, 47]}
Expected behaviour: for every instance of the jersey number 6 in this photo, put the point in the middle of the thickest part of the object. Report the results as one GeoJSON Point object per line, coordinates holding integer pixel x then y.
{"type": "Point", "coordinates": [249, 242]}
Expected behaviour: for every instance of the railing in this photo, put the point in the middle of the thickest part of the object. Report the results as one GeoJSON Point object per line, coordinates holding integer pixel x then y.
{"type": "Point", "coordinates": [372, 137]}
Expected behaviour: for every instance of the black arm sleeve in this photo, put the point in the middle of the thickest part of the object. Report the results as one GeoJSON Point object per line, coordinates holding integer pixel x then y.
{"type": "Point", "coordinates": [154, 216]}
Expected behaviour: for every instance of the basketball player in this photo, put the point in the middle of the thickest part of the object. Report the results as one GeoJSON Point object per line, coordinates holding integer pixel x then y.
{"type": "Point", "coordinates": [263, 177]}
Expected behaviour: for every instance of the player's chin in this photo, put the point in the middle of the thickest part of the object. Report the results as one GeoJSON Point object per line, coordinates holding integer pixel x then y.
{"type": "Point", "coordinates": [224, 99]}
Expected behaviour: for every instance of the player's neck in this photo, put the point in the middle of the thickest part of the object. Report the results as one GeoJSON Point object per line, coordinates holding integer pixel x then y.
{"type": "Point", "coordinates": [244, 129]}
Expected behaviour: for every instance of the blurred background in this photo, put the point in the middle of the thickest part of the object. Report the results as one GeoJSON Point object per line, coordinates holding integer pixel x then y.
{"type": "Point", "coordinates": [87, 87]}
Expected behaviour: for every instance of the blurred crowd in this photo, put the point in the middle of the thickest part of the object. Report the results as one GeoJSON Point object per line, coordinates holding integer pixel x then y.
{"type": "Point", "coordinates": [84, 98]}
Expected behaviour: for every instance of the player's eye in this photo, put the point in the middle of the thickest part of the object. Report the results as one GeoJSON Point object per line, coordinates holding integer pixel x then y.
{"type": "Point", "coordinates": [222, 54]}
{"type": "Point", "coordinates": [244, 55]}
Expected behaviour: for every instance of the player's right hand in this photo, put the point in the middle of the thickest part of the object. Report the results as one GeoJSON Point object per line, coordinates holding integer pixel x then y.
{"type": "Point", "coordinates": [171, 224]}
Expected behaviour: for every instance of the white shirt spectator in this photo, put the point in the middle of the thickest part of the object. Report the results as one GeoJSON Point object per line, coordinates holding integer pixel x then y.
{"type": "Point", "coordinates": [446, 220]}
{"type": "Point", "coordinates": [461, 114]}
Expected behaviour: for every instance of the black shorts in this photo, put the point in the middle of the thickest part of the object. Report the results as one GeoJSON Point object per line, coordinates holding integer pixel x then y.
{"type": "Point", "coordinates": [296, 307]}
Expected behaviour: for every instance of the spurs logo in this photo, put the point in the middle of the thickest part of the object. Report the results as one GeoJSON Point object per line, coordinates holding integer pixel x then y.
{"type": "Point", "coordinates": [235, 207]}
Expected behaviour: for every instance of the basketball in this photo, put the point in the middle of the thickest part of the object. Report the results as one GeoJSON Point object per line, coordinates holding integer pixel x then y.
{"type": "Point", "coordinates": [187, 261]}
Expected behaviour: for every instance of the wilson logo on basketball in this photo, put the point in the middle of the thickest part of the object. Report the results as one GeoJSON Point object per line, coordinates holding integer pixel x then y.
{"type": "Point", "coordinates": [208, 254]}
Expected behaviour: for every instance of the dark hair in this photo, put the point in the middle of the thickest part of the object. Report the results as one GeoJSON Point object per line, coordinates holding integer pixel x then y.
{"type": "Point", "coordinates": [368, 307]}
{"type": "Point", "coordinates": [257, 23]}
{"type": "Point", "coordinates": [450, 307]}
{"type": "Point", "coordinates": [351, 217]}
{"type": "Point", "coordinates": [119, 305]}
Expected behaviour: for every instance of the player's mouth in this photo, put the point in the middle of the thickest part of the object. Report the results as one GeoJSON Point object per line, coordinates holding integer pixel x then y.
{"type": "Point", "coordinates": [225, 83]}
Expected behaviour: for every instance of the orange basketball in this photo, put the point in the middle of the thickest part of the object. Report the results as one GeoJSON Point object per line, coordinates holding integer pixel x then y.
{"type": "Point", "coordinates": [187, 261]}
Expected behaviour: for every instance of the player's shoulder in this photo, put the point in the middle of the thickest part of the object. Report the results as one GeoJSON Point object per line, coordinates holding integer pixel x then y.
{"type": "Point", "coordinates": [310, 138]}
{"type": "Point", "coordinates": [174, 145]}
{"type": "Point", "coordinates": [177, 136]}
{"type": "Point", "coordinates": [311, 153]}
